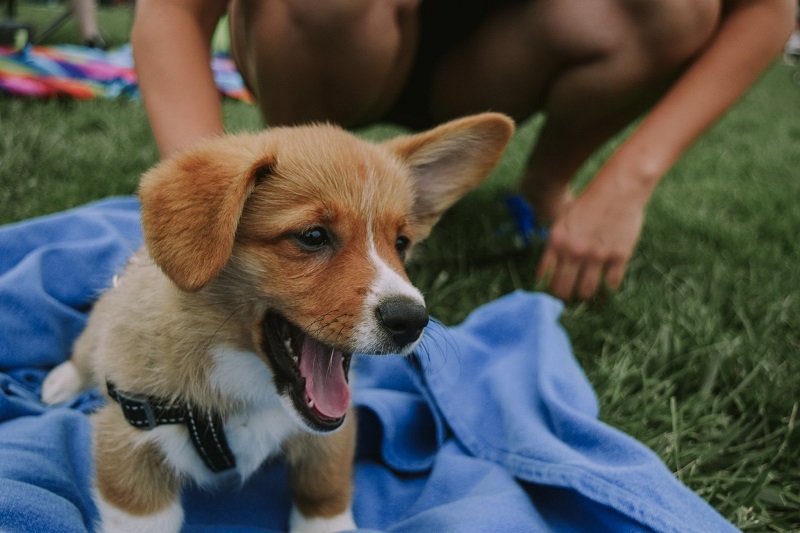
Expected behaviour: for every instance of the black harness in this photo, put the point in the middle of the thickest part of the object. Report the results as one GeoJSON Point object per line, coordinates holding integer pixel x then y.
{"type": "Point", "coordinates": [205, 426]}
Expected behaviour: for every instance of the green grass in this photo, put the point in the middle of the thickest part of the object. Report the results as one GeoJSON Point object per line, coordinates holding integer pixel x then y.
{"type": "Point", "coordinates": [697, 356]}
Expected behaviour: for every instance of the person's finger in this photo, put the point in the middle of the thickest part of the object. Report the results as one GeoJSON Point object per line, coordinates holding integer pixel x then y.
{"type": "Point", "coordinates": [615, 271]}
{"type": "Point", "coordinates": [589, 281]}
{"type": "Point", "coordinates": [565, 278]}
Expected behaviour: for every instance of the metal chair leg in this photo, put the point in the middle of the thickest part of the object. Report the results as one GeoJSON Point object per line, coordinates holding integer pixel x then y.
{"type": "Point", "coordinates": [55, 25]}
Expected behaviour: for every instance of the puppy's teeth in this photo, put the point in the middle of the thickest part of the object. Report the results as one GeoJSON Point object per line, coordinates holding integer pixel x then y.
{"type": "Point", "coordinates": [310, 404]}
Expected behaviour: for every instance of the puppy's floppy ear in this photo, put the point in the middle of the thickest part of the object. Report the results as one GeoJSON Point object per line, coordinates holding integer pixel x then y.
{"type": "Point", "coordinates": [449, 161]}
{"type": "Point", "coordinates": [192, 203]}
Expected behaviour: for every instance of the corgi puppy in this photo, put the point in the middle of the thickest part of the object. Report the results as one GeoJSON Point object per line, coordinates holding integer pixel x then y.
{"type": "Point", "coordinates": [269, 260]}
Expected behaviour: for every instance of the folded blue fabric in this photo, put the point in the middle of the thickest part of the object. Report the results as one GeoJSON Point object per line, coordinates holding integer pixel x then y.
{"type": "Point", "coordinates": [491, 426]}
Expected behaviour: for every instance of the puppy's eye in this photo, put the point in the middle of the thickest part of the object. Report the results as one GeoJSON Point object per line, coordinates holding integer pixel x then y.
{"type": "Point", "coordinates": [313, 238]}
{"type": "Point", "coordinates": [401, 245]}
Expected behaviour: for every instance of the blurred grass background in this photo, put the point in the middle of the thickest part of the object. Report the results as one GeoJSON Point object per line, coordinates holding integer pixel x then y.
{"type": "Point", "coordinates": [698, 355]}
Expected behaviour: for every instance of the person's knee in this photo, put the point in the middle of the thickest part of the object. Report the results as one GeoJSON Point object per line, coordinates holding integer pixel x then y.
{"type": "Point", "coordinates": [339, 60]}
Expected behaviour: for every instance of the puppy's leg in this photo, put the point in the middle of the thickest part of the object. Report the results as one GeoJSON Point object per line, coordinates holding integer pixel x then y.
{"type": "Point", "coordinates": [136, 490]}
{"type": "Point", "coordinates": [72, 376]}
{"type": "Point", "coordinates": [321, 479]}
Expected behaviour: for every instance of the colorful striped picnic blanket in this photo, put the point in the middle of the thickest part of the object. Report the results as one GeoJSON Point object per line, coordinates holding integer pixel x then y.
{"type": "Point", "coordinates": [70, 71]}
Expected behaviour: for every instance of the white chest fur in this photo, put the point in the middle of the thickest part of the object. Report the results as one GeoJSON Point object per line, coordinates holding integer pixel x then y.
{"type": "Point", "coordinates": [254, 434]}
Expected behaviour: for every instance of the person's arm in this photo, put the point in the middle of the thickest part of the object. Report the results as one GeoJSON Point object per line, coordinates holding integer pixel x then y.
{"type": "Point", "coordinates": [595, 237]}
{"type": "Point", "coordinates": [171, 47]}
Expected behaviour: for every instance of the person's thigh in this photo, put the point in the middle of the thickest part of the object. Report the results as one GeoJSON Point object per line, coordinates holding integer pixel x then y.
{"type": "Point", "coordinates": [583, 63]}
{"type": "Point", "coordinates": [344, 61]}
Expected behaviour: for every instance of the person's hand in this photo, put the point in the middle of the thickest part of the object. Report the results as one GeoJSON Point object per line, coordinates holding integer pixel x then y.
{"type": "Point", "coordinates": [591, 242]}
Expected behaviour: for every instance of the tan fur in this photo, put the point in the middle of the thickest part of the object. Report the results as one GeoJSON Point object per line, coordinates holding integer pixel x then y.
{"type": "Point", "coordinates": [219, 222]}
{"type": "Point", "coordinates": [321, 470]}
{"type": "Point", "coordinates": [123, 467]}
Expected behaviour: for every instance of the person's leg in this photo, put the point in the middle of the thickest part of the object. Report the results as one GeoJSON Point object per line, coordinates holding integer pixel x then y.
{"type": "Point", "coordinates": [591, 68]}
{"type": "Point", "coordinates": [343, 61]}
{"type": "Point", "coordinates": [86, 15]}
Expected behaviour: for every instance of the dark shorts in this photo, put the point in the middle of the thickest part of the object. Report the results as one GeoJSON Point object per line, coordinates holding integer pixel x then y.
{"type": "Point", "coordinates": [443, 25]}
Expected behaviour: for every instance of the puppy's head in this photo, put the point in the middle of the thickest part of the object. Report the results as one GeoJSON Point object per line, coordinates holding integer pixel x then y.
{"type": "Point", "coordinates": [304, 232]}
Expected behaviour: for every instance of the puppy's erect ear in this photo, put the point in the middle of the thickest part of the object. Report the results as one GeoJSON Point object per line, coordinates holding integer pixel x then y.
{"type": "Point", "coordinates": [192, 203]}
{"type": "Point", "coordinates": [449, 161]}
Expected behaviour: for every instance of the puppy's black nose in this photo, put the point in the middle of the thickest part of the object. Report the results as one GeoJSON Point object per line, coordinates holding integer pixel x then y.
{"type": "Point", "coordinates": [404, 319]}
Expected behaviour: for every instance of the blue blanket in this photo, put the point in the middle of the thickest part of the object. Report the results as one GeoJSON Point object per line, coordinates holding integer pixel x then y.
{"type": "Point", "coordinates": [492, 427]}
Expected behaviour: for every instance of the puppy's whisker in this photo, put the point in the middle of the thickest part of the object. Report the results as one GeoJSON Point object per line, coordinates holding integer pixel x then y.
{"type": "Point", "coordinates": [441, 340]}
{"type": "Point", "coordinates": [222, 324]}
{"type": "Point", "coordinates": [309, 331]}
{"type": "Point", "coordinates": [330, 363]}
{"type": "Point", "coordinates": [326, 327]}
{"type": "Point", "coordinates": [337, 333]}
{"type": "Point", "coordinates": [319, 318]}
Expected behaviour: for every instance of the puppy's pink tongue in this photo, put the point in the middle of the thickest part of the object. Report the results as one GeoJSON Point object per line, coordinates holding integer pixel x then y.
{"type": "Point", "coordinates": [326, 385]}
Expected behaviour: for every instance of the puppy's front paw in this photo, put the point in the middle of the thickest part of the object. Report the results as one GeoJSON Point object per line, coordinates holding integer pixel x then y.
{"type": "Point", "coordinates": [114, 520]}
{"type": "Point", "coordinates": [61, 384]}
{"type": "Point", "coordinates": [341, 522]}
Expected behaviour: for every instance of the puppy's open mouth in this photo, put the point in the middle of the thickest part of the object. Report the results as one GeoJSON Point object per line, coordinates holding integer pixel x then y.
{"type": "Point", "coordinates": [314, 374]}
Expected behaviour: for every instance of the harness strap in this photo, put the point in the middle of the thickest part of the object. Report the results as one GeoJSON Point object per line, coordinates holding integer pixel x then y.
{"type": "Point", "coordinates": [206, 428]}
